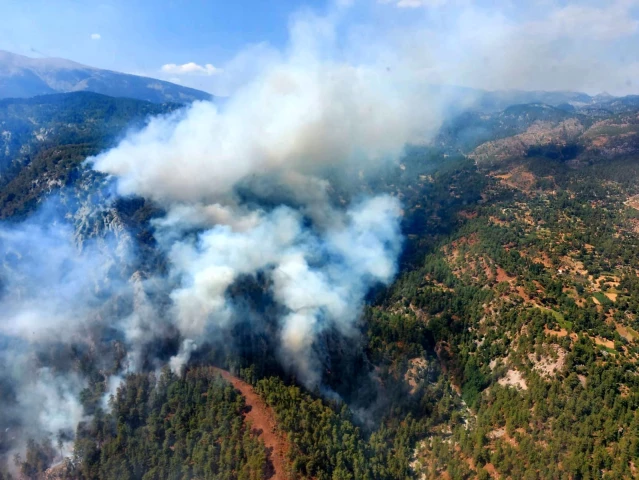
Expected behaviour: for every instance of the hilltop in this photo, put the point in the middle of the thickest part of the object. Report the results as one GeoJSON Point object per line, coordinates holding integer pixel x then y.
{"type": "Point", "coordinates": [22, 76]}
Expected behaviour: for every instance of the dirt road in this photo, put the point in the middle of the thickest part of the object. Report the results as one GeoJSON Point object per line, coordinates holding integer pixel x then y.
{"type": "Point", "coordinates": [263, 419]}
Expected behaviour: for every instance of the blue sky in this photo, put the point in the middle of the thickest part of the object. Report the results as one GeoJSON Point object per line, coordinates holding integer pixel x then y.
{"type": "Point", "coordinates": [143, 34]}
{"type": "Point", "coordinates": [590, 45]}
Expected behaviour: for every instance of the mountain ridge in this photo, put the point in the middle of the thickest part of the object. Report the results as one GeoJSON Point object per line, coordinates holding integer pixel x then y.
{"type": "Point", "coordinates": [22, 76]}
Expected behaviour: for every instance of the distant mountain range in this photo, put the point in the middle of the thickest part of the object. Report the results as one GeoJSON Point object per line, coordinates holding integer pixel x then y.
{"type": "Point", "coordinates": [22, 76]}
{"type": "Point", "coordinates": [462, 99]}
{"type": "Point", "coordinates": [604, 127]}
{"type": "Point", "coordinates": [25, 77]}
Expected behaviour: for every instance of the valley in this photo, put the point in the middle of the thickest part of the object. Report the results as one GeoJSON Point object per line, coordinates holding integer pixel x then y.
{"type": "Point", "coordinates": [505, 347]}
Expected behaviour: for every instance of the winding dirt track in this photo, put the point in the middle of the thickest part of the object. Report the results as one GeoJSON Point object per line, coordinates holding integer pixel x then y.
{"type": "Point", "coordinates": [264, 425]}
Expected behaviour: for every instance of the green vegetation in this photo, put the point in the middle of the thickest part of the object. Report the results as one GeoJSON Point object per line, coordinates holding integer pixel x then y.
{"type": "Point", "coordinates": [325, 443]}
{"type": "Point", "coordinates": [522, 375]}
{"type": "Point", "coordinates": [487, 358]}
{"type": "Point", "coordinates": [189, 427]}
{"type": "Point", "coordinates": [551, 390]}
{"type": "Point", "coordinates": [49, 137]}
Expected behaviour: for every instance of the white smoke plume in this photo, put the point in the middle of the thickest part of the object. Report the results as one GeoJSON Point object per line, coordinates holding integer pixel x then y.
{"type": "Point", "coordinates": [308, 115]}
{"type": "Point", "coordinates": [277, 141]}
{"type": "Point", "coordinates": [248, 189]}
{"type": "Point", "coordinates": [53, 400]}
{"type": "Point", "coordinates": [57, 294]}
{"type": "Point", "coordinates": [47, 257]}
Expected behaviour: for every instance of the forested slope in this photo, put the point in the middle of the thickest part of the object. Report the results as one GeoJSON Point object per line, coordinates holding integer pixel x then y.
{"type": "Point", "coordinates": [507, 347]}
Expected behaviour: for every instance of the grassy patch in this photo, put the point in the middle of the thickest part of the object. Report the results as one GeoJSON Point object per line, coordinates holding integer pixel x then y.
{"type": "Point", "coordinates": [632, 332]}
{"type": "Point", "coordinates": [612, 351]}
{"type": "Point", "coordinates": [602, 298]}
{"type": "Point", "coordinates": [561, 320]}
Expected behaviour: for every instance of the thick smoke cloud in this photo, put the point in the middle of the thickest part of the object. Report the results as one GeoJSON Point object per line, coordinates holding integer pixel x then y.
{"type": "Point", "coordinates": [46, 256]}
{"type": "Point", "coordinates": [57, 292]}
{"type": "Point", "coordinates": [320, 278]}
{"type": "Point", "coordinates": [576, 45]}
{"type": "Point", "coordinates": [298, 117]}
{"type": "Point", "coordinates": [247, 191]}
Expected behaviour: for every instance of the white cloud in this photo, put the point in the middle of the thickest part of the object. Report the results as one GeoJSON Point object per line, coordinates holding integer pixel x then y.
{"type": "Point", "coordinates": [96, 36]}
{"type": "Point", "coordinates": [190, 68]}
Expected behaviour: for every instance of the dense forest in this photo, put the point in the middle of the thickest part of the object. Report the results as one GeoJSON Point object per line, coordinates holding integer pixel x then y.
{"type": "Point", "coordinates": [507, 347]}
{"type": "Point", "coordinates": [163, 428]}
{"type": "Point", "coordinates": [46, 139]}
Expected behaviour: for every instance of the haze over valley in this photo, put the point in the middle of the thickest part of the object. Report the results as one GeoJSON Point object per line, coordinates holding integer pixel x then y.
{"type": "Point", "coordinates": [332, 240]}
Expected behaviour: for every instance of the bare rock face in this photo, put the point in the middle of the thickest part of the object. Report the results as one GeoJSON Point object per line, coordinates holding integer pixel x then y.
{"type": "Point", "coordinates": [615, 136]}
{"type": "Point", "coordinates": [538, 134]}
{"type": "Point", "coordinates": [604, 139]}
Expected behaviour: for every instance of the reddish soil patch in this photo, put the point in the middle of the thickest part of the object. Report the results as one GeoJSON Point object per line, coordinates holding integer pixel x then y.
{"type": "Point", "coordinates": [560, 333]}
{"type": "Point", "coordinates": [635, 224]}
{"type": "Point", "coordinates": [497, 221]}
{"type": "Point", "coordinates": [522, 293]}
{"type": "Point", "coordinates": [469, 240]}
{"type": "Point", "coordinates": [492, 471]}
{"type": "Point", "coordinates": [633, 202]}
{"type": "Point", "coordinates": [604, 343]}
{"type": "Point", "coordinates": [502, 276]}
{"type": "Point", "coordinates": [545, 259]}
{"type": "Point", "coordinates": [518, 178]}
{"type": "Point", "coordinates": [264, 424]}
{"type": "Point", "coordinates": [600, 141]}
{"type": "Point", "coordinates": [629, 335]}
{"type": "Point", "coordinates": [467, 215]}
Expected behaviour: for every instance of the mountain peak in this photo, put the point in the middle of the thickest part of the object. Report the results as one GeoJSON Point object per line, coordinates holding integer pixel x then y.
{"type": "Point", "coordinates": [22, 61]}
{"type": "Point", "coordinates": [22, 76]}
{"type": "Point", "coordinates": [604, 96]}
